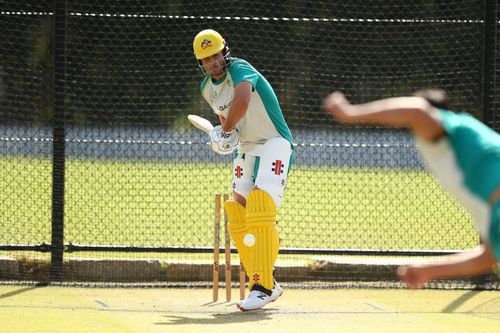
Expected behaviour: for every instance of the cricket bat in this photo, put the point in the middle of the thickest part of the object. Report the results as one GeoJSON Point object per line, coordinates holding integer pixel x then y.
{"type": "Point", "coordinates": [200, 123]}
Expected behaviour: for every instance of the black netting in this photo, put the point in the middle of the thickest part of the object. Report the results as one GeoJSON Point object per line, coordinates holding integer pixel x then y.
{"type": "Point", "coordinates": [26, 69]}
{"type": "Point", "coordinates": [138, 176]}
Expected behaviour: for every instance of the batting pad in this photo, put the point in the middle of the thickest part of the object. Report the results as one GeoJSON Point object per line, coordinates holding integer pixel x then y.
{"type": "Point", "coordinates": [261, 217]}
{"type": "Point", "coordinates": [237, 230]}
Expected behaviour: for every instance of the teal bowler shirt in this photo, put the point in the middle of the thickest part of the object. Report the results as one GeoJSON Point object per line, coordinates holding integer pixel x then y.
{"type": "Point", "coordinates": [477, 152]}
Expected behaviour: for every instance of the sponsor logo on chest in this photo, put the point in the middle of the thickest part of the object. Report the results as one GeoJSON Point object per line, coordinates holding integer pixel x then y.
{"type": "Point", "coordinates": [221, 99]}
{"type": "Point", "coordinates": [224, 107]}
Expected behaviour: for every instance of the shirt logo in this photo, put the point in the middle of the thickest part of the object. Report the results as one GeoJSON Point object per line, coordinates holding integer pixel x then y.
{"type": "Point", "coordinates": [224, 107]}
{"type": "Point", "coordinates": [205, 44]}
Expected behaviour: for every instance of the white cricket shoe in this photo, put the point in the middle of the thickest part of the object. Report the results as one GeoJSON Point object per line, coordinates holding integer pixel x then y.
{"type": "Point", "coordinates": [277, 291]}
{"type": "Point", "coordinates": [258, 298]}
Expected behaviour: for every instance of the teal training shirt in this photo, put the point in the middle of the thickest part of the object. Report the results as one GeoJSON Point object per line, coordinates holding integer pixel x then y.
{"type": "Point", "coordinates": [477, 151]}
{"type": "Point", "coordinates": [466, 161]}
{"type": "Point", "coordinates": [263, 120]}
{"type": "Point", "coordinates": [476, 148]}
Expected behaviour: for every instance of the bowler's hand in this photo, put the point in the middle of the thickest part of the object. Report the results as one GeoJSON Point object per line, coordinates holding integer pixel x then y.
{"type": "Point", "coordinates": [415, 276]}
{"type": "Point", "coordinates": [337, 106]}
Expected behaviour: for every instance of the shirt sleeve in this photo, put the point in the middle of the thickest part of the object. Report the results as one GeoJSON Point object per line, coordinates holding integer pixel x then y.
{"type": "Point", "coordinates": [446, 119]}
{"type": "Point", "coordinates": [242, 71]}
{"type": "Point", "coordinates": [202, 89]}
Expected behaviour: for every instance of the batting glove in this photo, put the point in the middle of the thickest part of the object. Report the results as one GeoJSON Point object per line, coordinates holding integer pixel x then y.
{"type": "Point", "coordinates": [223, 142]}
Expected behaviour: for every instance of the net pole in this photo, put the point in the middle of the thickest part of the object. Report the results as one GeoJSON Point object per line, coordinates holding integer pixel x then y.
{"type": "Point", "coordinates": [58, 157]}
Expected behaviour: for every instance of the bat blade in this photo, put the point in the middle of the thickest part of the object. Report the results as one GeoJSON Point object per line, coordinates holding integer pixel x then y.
{"type": "Point", "coordinates": [200, 123]}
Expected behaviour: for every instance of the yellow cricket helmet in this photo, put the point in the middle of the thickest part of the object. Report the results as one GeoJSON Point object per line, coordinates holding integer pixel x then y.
{"type": "Point", "coordinates": [207, 43]}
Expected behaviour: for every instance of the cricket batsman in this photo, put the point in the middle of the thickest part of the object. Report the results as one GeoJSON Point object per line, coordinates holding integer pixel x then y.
{"type": "Point", "coordinates": [254, 129]}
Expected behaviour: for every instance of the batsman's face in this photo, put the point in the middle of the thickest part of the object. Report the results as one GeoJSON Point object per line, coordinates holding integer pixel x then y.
{"type": "Point", "coordinates": [215, 65]}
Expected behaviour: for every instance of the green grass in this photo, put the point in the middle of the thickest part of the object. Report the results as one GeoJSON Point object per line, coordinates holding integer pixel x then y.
{"type": "Point", "coordinates": [161, 204]}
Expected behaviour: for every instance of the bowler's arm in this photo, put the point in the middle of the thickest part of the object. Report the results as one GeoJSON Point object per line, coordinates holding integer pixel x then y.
{"type": "Point", "coordinates": [413, 112]}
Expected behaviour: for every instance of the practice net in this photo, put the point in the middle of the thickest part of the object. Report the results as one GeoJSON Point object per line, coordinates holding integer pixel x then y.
{"type": "Point", "coordinates": [141, 183]}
